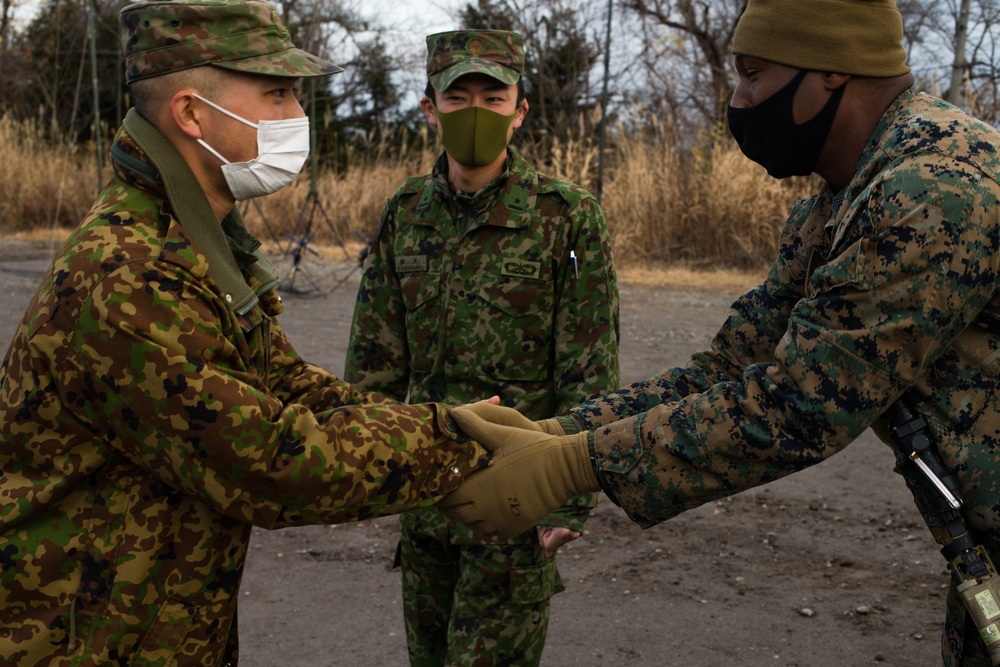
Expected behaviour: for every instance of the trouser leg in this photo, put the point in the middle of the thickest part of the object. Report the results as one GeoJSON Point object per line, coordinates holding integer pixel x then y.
{"type": "Point", "coordinates": [500, 612]}
{"type": "Point", "coordinates": [429, 569]}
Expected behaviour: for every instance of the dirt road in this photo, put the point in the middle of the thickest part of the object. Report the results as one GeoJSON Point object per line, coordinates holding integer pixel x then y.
{"type": "Point", "coordinates": [830, 567]}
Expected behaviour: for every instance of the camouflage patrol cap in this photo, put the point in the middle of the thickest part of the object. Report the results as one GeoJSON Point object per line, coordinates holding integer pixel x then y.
{"type": "Point", "coordinates": [162, 37]}
{"type": "Point", "coordinates": [497, 53]}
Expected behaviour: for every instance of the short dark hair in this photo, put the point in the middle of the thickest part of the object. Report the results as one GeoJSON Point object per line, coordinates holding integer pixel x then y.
{"type": "Point", "coordinates": [152, 95]}
{"type": "Point", "coordinates": [522, 91]}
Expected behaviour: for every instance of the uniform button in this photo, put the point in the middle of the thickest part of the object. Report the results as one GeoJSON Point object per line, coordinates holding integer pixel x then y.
{"type": "Point", "coordinates": [229, 298]}
{"type": "Point", "coordinates": [454, 470]}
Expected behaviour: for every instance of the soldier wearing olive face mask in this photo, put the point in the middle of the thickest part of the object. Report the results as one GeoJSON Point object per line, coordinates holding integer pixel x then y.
{"type": "Point", "coordinates": [485, 278]}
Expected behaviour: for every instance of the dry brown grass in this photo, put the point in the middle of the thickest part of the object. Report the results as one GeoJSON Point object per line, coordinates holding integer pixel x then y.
{"type": "Point", "coordinates": [690, 280]}
{"type": "Point", "coordinates": [710, 208]}
{"type": "Point", "coordinates": [42, 185]}
{"type": "Point", "coordinates": [350, 201]}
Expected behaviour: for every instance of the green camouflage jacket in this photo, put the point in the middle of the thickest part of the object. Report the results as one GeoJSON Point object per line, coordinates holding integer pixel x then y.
{"type": "Point", "coordinates": [152, 410]}
{"type": "Point", "coordinates": [886, 289]}
{"type": "Point", "coordinates": [469, 296]}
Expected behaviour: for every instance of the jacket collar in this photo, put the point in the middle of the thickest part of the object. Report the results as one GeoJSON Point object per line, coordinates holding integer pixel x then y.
{"type": "Point", "coordinates": [515, 190]}
{"type": "Point", "coordinates": [163, 165]}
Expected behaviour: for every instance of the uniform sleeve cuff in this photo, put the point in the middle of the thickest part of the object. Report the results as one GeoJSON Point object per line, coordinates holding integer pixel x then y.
{"type": "Point", "coordinates": [570, 424]}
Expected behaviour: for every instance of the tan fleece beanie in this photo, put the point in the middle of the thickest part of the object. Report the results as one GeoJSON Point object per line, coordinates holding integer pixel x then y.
{"type": "Point", "coordinates": [859, 37]}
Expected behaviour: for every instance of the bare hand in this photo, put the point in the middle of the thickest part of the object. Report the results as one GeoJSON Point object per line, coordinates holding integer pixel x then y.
{"type": "Point", "coordinates": [550, 538]}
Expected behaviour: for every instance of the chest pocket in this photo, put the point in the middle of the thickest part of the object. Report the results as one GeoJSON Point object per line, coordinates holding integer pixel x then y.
{"type": "Point", "coordinates": [513, 325]}
{"type": "Point", "coordinates": [421, 295]}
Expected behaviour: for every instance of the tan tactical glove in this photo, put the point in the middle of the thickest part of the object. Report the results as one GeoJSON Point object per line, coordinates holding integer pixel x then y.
{"type": "Point", "coordinates": [502, 416]}
{"type": "Point", "coordinates": [550, 426]}
{"type": "Point", "coordinates": [532, 472]}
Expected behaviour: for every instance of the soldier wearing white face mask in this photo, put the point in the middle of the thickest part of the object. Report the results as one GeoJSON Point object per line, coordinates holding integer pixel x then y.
{"type": "Point", "coordinates": [282, 149]}
{"type": "Point", "coordinates": [152, 409]}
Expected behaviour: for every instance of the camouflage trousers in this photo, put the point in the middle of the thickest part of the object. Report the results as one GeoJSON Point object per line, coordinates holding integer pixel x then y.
{"type": "Point", "coordinates": [470, 604]}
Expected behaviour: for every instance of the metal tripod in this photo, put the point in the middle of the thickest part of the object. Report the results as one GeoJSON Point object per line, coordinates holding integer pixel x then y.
{"type": "Point", "coordinates": [304, 232]}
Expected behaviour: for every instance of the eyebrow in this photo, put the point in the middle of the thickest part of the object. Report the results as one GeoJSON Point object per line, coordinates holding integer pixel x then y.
{"type": "Point", "coordinates": [499, 85]}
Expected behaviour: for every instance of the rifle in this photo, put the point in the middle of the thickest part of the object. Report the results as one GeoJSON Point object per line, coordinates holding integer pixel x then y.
{"type": "Point", "coordinates": [936, 493]}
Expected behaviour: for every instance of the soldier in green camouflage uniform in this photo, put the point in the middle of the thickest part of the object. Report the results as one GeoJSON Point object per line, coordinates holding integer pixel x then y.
{"type": "Point", "coordinates": [152, 409]}
{"type": "Point", "coordinates": [485, 278]}
{"type": "Point", "coordinates": [885, 286]}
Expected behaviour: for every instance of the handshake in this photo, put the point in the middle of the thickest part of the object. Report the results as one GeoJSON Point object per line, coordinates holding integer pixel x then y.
{"type": "Point", "coordinates": [534, 469]}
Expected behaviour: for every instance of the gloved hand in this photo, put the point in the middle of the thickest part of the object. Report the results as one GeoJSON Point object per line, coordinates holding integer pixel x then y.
{"type": "Point", "coordinates": [532, 472]}
{"type": "Point", "coordinates": [550, 426]}
{"type": "Point", "coordinates": [501, 416]}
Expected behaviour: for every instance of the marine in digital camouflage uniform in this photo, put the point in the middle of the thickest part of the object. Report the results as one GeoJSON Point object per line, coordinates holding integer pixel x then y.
{"type": "Point", "coordinates": [470, 294]}
{"type": "Point", "coordinates": [151, 408]}
{"type": "Point", "coordinates": [885, 287]}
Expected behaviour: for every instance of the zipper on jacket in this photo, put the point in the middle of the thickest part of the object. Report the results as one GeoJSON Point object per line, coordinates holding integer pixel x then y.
{"type": "Point", "coordinates": [72, 626]}
{"type": "Point", "coordinates": [265, 344]}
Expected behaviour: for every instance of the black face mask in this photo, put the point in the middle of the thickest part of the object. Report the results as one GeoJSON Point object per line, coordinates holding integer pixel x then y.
{"type": "Point", "coordinates": [768, 135]}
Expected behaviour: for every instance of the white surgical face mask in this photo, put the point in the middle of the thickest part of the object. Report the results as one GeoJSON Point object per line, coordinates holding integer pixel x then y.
{"type": "Point", "coordinates": [282, 149]}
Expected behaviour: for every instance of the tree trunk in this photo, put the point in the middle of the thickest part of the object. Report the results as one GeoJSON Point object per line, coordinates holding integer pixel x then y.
{"type": "Point", "coordinates": [959, 65]}
{"type": "Point", "coordinates": [5, 24]}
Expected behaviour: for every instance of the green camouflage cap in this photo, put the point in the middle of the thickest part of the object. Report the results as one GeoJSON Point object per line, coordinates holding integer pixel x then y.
{"type": "Point", "coordinates": [162, 37]}
{"type": "Point", "coordinates": [497, 53]}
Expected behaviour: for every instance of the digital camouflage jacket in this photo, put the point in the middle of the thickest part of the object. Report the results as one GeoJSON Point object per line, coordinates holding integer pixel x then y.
{"type": "Point", "coordinates": [887, 289]}
{"type": "Point", "coordinates": [152, 411]}
{"type": "Point", "coordinates": [510, 291]}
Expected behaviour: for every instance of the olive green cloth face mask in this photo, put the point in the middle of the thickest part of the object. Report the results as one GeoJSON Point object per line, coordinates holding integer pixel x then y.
{"type": "Point", "coordinates": [474, 136]}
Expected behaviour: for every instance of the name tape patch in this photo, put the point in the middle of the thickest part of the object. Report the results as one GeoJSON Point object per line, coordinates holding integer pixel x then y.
{"type": "Point", "coordinates": [411, 264]}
